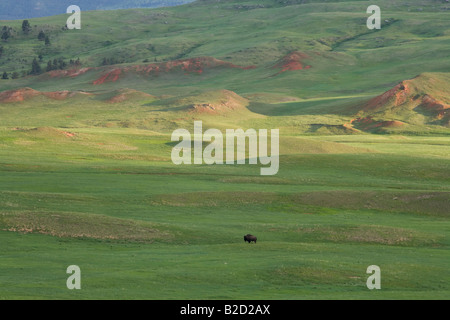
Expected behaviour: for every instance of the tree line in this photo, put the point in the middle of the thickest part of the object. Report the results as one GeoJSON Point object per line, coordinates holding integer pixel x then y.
{"type": "Point", "coordinates": [7, 32]}
{"type": "Point", "coordinates": [36, 68]}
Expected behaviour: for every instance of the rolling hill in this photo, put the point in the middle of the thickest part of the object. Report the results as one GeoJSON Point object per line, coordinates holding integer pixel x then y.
{"type": "Point", "coordinates": [423, 100]}
{"type": "Point", "coordinates": [87, 179]}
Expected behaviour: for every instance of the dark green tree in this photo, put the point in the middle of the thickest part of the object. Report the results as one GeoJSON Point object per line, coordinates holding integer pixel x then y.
{"type": "Point", "coordinates": [47, 41]}
{"type": "Point", "coordinates": [15, 75]}
{"type": "Point", "coordinates": [61, 64]}
{"type": "Point", "coordinates": [35, 67]}
{"type": "Point", "coordinates": [26, 27]}
{"type": "Point", "coordinates": [49, 66]}
{"type": "Point", "coordinates": [5, 76]}
{"type": "Point", "coordinates": [6, 33]}
{"type": "Point", "coordinates": [41, 36]}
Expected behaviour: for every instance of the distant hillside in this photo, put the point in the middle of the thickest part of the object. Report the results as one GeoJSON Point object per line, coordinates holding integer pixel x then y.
{"type": "Point", "coordinates": [26, 9]}
{"type": "Point", "coordinates": [293, 61]}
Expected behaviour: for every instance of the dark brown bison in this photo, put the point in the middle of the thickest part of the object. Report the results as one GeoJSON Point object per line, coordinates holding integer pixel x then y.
{"type": "Point", "coordinates": [249, 238]}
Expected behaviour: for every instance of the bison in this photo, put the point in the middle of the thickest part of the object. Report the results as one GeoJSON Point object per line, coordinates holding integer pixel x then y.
{"type": "Point", "coordinates": [249, 238]}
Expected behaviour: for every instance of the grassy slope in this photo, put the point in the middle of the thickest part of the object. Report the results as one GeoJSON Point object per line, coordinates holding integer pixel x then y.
{"type": "Point", "coordinates": [349, 65]}
{"type": "Point", "coordinates": [345, 60]}
{"type": "Point", "coordinates": [322, 220]}
{"type": "Point", "coordinates": [338, 204]}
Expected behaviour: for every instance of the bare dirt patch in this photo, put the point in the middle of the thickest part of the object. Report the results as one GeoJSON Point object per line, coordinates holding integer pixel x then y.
{"type": "Point", "coordinates": [18, 95]}
{"type": "Point", "coordinates": [293, 62]}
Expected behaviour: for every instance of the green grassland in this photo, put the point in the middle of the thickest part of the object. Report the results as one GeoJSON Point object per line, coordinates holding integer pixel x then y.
{"type": "Point", "coordinates": [88, 180]}
{"type": "Point", "coordinates": [139, 227]}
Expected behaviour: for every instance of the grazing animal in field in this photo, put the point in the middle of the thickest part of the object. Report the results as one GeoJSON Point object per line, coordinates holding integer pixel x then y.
{"type": "Point", "coordinates": [249, 238]}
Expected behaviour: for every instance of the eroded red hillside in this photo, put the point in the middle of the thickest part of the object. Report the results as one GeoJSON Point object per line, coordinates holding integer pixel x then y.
{"type": "Point", "coordinates": [424, 98]}
{"type": "Point", "coordinates": [187, 66]}
{"type": "Point", "coordinates": [368, 123]}
{"type": "Point", "coordinates": [408, 93]}
{"type": "Point", "coordinates": [18, 95]}
{"type": "Point", "coordinates": [292, 62]}
{"type": "Point", "coordinates": [24, 94]}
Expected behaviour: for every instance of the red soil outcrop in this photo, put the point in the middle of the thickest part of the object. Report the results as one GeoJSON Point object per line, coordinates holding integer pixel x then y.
{"type": "Point", "coordinates": [111, 76]}
{"type": "Point", "coordinates": [397, 95]}
{"type": "Point", "coordinates": [18, 95]}
{"type": "Point", "coordinates": [23, 94]}
{"type": "Point", "coordinates": [410, 96]}
{"type": "Point", "coordinates": [188, 66]}
{"type": "Point", "coordinates": [405, 93]}
{"type": "Point", "coordinates": [68, 73]}
{"type": "Point", "coordinates": [293, 62]}
{"type": "Point", "coordinates": [368, 123]}
{"type": "Point", "coordinates": [432, 104]}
